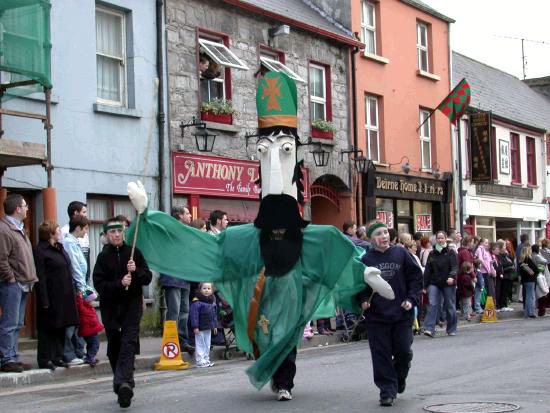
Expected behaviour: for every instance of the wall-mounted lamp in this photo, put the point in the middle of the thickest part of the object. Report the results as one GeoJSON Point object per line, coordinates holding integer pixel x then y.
{"type": "Point", "coordinates": [320, 156]}
{"type": "Point", "coordinates": [203, 138]}
{"type": "Point", "coordinates": [362, 164]}
{"type": "Point", "coordinates": [283, 29]}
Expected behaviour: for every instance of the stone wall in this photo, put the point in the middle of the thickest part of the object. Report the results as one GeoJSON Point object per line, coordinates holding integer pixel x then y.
{"type": "Point", "coordinates": [246, 32]}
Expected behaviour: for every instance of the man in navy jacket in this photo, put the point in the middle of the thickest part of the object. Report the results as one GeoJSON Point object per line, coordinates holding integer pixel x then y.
{"type": "Point", "coordinates": [389, 323]}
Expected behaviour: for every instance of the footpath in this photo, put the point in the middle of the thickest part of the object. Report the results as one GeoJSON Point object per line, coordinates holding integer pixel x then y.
{"type": "Point", "coordinates": [150, 353]}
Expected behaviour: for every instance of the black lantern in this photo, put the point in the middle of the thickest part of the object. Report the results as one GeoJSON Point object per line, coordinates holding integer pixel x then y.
{"type": "Point", "coordinates": [320, 156]}
{"type": "Point", "coordinates": [362, 164]}
{"type": "Point", "coordinates": [204, 140]}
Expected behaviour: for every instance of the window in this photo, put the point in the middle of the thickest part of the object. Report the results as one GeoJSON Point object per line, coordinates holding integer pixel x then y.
{"type": "Point", "coordinates": [272, 63]}
{"type": "Point", "coordinates": [372, 128]}
{"type": "Point", "coordinates": [425, 140]}
{"type": "Point", "coordinates": [531, 161]}
{"type": "Point", "coordinates": [368, 26]}
{"type": "Point", "coordinates": [318, 92]}
{"type": "Point", "coordinates": [515, 158]}
{"type": "Point", "coordinates": [111, 56]}
{"type": "Point", "coordinates": [422, 46]}
{"type": "Point", "coordinates": [221, 55]}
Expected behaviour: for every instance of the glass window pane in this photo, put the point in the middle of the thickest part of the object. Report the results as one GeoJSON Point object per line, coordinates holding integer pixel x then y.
{"type": "Point", "coordinates": [125, 208]}
{"type": "Point", "coordinates": [317, 111]}
{"type": "Point", "coordinates": [423, 208]}
{"type": "Point", "coordinates": [484, 221]}
{"type": "Point", "coordinates": [109, 34]}
{"type": "Point", "coordinates": [372, 109]}
{"type": "Point", "coordinates": [373, 145]}
{"type": "Point", "coordinates": [317, 82]}
{"type": "Point", "coordinates": [403, 208]}
{"type": "Point", "coordinates": [424, 60]}
{"type": "Point", "coordinates": [384, 211]}
{"type": "Point", "coordinates": [108, 78]}
{"type": "Point", "coordinates": [426, 125]}
{"type": "Point", "coordinates": [486, 233]}
{"type": "Point", "coordinates": [426, 155]}
{"type": "Point", "coordinates": [369, 41]}
{"type": "Point", "coordinates": [370, 14]}
{"type": "Point", "coordinates": [98, 209]}
{"type": "Point", "coordinates": [422, 35]}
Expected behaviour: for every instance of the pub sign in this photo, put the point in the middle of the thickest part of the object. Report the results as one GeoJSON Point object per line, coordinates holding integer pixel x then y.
{"type": "Point", "coordinates": [480, 147]}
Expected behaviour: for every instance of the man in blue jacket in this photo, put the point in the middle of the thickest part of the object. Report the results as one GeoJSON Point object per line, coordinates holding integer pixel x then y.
{"type": "Point", "coordinates": [389, 323]}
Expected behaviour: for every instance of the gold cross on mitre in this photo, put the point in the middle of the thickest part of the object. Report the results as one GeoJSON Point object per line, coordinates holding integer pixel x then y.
{"type": "Point", "coordinates": [264, 324]}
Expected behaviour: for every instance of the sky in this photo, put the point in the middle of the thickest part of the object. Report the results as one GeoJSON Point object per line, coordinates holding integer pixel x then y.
{"type": "Point", "coordinates": [482, 28]}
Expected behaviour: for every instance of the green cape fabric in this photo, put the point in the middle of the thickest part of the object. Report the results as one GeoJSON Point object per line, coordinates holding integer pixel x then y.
{"type": "Point", "coordinates": [328, 273]}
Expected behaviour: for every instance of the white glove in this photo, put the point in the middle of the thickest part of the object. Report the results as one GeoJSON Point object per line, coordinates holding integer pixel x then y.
{"type": "Point", "coordinates": [138, 196]}
{"type": "Point", "coordinates": [377, 283]}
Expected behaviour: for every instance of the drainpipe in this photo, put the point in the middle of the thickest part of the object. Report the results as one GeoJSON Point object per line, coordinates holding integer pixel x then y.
{"type": "Point", "coordinates": [354, 129]}
{"type": "Point", "coordinates": [161, 117]}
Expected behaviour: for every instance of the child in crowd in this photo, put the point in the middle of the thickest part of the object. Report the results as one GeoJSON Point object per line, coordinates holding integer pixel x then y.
{"type": "Point", "coordinates": [466, 287]}
{"type": "Point", "coordinates": [480, 284]}
{"type": "Point", "coordinates": [90, 327]}
{"type": "Point", "coordinates": [204, 320]}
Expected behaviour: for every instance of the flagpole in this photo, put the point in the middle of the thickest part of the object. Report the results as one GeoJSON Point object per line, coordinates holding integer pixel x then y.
{"type": "Point", "coordinates": [445, 98]}
{"type": "Point", "coordinates": [460, 204]}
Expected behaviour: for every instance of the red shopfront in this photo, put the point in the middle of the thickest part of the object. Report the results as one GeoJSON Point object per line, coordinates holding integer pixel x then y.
{"type": "Point", "coordinates": [207, 183]}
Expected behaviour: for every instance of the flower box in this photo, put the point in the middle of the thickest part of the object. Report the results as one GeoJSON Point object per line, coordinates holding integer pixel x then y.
{"type": "Point", "coordinates": [225, 118]}
{"type": "Point", "coordinates": [320, 134]}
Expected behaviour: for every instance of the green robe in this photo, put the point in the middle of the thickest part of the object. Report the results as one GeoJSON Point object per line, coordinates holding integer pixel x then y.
{"type": "Point", "coordinates": [328, 273]}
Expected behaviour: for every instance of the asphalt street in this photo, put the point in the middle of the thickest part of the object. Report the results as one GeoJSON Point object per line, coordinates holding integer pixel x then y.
{"type": "Point", "coordinates": [503, 362]}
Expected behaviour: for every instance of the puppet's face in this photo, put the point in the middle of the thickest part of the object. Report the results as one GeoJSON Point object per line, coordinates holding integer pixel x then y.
{"type": "Point", "coordinates": [277, 159]}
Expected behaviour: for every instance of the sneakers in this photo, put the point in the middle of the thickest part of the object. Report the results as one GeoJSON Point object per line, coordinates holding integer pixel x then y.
{"type": "Point", "coordinates": [451, 334]}
{"type": "Point", "coordinates": [92, 363]}
{"type": "Point", "coordinates": [386, 401]}
{"type": "Point", "coordinates": [428, 333]}
{"type": "Point", "coordinates": [75, 362]}
{"type": "Point", "coordinates": [202, 365]}
{"type": "Point", "coordinates": [12, 368]}
{"type": "Point", "coordinates": [210, 364]}
{"type": "Point", "coordinates": [60, 363]}
{"type": "Point", "coordinates": [284, 395]}
{"type": "Point", "coordinates": [125, 394]}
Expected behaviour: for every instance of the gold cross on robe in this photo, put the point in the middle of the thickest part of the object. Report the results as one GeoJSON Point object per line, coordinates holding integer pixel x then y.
{"type": "Point", "coordinates": [264, 324]}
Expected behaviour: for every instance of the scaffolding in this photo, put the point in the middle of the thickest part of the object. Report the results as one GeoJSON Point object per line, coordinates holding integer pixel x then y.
{"type": "Point", "coordinates": [25, 68]}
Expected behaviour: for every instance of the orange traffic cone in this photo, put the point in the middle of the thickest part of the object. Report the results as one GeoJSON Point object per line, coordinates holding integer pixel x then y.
{"type": "Point", "coordinates": [170, 352]}
{"type": "Point", "coordinates": [489, 313]}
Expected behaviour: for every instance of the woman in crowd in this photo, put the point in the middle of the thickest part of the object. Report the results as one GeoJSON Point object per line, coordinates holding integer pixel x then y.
{"type": "Point", "coordinates": [465, 251]}
{"type": "Point", "coordinates": [528, 272]}
{"type": "Point", "coordinates": [483, 254]}
{"type": "Point", "coordinates": [542, 265]}
{"type": "Point", "coordinates": [425, 249]}
{"type": "Point", "coordinates": [56, 305]}
{"type": "Point", "coordinates": [411, 247]}
{"type": "Point", "coordinates": [440, 279]}
{"type": "Point", "coordinates": [497, 277]}
{"type": "Point", "coordinates": [508, 270]}
{"type": "Point", "coordinates": [544, 302]}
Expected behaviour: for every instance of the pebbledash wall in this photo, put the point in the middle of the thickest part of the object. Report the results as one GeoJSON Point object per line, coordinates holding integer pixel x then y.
{"type": "Point", "coordinates": [246, 35]}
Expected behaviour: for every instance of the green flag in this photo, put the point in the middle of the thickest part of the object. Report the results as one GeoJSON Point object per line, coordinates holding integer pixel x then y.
{"type": "Point", "coordinates": [455, 104]}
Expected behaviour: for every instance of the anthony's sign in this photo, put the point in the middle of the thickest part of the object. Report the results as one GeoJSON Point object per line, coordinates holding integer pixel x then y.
{"type": "Point", "coordinates": [216, 176]}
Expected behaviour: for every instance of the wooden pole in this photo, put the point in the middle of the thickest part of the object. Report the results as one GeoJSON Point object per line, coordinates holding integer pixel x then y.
{"type": "Point", "coordinates": [134, 241]}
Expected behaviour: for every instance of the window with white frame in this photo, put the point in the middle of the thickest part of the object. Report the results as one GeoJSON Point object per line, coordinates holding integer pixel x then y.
{"type": "Point", "coordinates": [317, 92]}
{"type": "Point", "coordinates": [272, 63]}
{"type": "Point", "coordinates": [368, 26]}
{"type": "Point", "coordinates": [422, 46]}
{"type": "Point", "coordinates": [221, 54]}
{"type": "Point", "coordinates": [111, 56]}
{"type": "Point", "coordinates": [425, 139]}
{"type": "Point", "coordinates": [372, 128]}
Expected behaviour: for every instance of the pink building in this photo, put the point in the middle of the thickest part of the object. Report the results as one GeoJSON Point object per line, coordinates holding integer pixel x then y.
{"type": "Point", "coordinates": [401, 76]}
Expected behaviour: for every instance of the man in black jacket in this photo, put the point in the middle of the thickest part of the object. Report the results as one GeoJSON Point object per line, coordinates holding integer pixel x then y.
{"type": "Point", "coordinates": [389, 322]}
{"type": "Point", "coordinates": [119, 282]}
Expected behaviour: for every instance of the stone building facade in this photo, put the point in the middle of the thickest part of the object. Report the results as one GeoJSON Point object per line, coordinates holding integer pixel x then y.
{"type": "Point", "coordinates": [245, 31]}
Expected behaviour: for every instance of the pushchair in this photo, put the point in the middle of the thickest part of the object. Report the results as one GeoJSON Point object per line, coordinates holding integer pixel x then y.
{"type": "Point", "coordinates": [353, 325]}
{"type": "Point", "coordinates": [226, 334]}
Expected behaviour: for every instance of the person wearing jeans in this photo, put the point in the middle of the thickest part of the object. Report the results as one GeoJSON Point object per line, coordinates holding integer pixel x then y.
{"type": "Point", "coordinates": [440, 277]}
{"type": "Point", "coordinates": [17, 277]}
{"type": "Point", "coordinates": [528, 271]}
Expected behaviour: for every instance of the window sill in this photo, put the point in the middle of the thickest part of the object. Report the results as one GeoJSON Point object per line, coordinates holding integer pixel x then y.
{"type": "Point", "coordinates": [516, 184]}
{"type": "Point", "coordinates": [376, 58]}
{"type": "Point", "coordinates": [382, 164]}
{"type": "Point", "coordinates": [222, 127]}
{"type": "Point", "coordinates": [427, 75]}
{"type": "Point", "coordinates": [532, 186]}
{"type": "Point", "coordinates": [427, 170]}
{"type": "Point", "coordinates": [326, 142]}
{"type": "Point", "coordinates": [116, 111]}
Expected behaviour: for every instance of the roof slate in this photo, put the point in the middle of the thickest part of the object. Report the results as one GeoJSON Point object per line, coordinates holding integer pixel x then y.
{"type": "Point", "coordinates": [301, 11]}
{"type": "Point", "coordinates": [427, 9]}
{"type": "Point", "coordinates": [503, 94]}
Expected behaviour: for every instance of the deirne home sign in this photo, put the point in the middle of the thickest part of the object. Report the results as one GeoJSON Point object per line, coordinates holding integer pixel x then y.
{"type": "Point", "coordinates": [401, 186]}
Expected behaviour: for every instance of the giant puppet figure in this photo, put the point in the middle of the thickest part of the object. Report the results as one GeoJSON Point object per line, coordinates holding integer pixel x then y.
{"type": "Point", "coordinates": [278, 273]}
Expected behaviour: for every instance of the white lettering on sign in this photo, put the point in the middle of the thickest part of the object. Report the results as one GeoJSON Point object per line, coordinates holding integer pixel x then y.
{"type": "Point", "coordinates": [210, 170]}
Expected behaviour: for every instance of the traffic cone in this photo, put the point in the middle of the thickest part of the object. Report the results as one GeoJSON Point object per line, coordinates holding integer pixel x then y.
{"type": "Point", "coordinates": [489, 312]}
{"type": "Point", "coordinates": [170, 352]}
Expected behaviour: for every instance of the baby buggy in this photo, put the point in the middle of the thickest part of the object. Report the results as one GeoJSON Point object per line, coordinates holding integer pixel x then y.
{"type": "Point", "coordinates": [226, 333]}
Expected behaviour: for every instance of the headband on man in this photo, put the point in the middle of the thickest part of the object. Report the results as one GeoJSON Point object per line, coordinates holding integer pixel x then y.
{"type": "Point", "coordinates": [374, 227]}
{"type": "Point", "coordinates": [112, 225]}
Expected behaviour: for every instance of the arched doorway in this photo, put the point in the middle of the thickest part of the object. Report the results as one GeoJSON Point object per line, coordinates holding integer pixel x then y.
{"type": "Point", "coordinates": [331, 201]}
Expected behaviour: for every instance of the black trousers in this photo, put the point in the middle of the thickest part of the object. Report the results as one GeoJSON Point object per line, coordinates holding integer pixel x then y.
{"type": "Point", "coordinates": [284, 376]}
{"type": "Point", "coordinates": [390, 347]}
{"type": "Point", "coordinates": [122, 347]}
{"type": "Point", "coordinates": [50, 345]}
